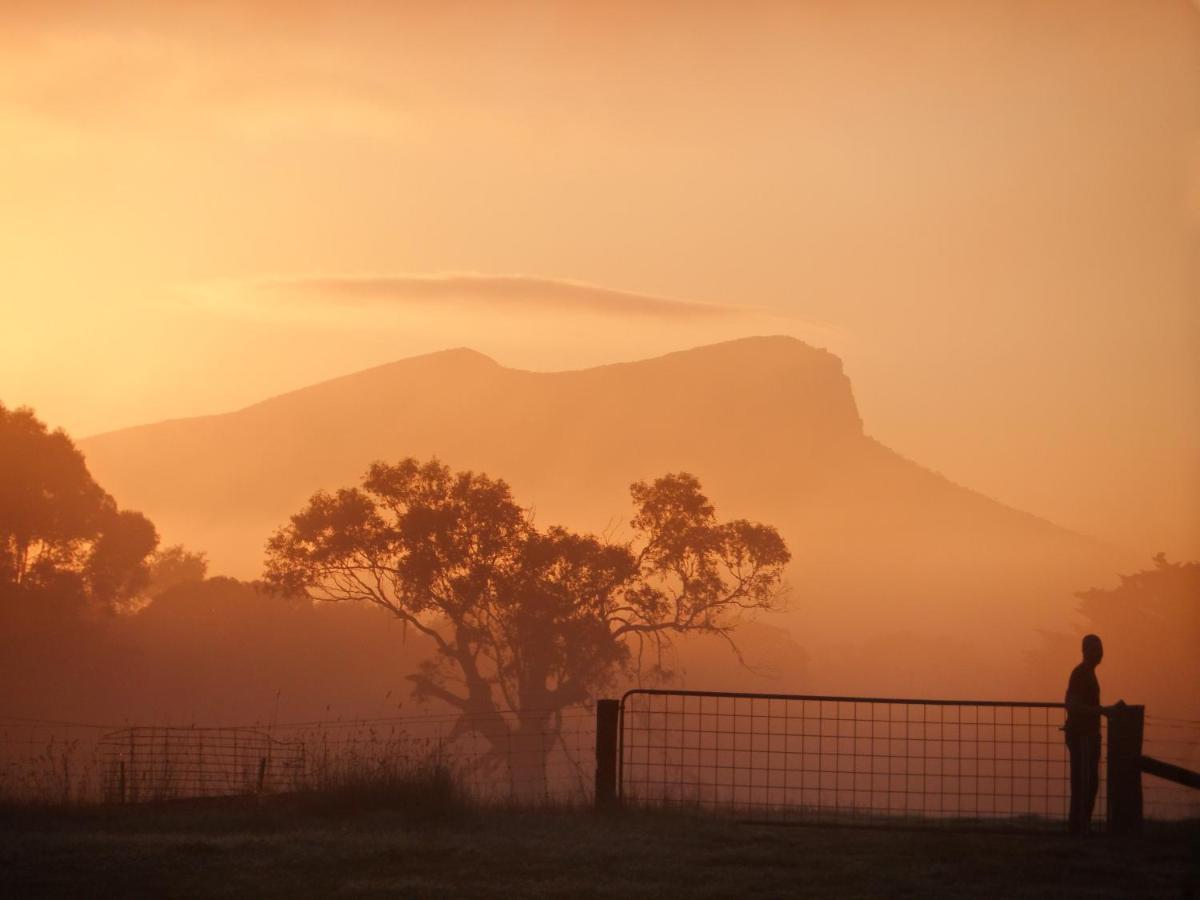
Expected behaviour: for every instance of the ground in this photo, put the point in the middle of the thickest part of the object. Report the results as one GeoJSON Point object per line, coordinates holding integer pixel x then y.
{"type": "Point", "coordinates": [277, 849]}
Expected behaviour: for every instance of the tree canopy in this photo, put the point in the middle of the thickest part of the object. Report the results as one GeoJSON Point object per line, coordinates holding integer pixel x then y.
{"type": "Point", "coordinates": [525, 619]}
{"type": "Point", "coordinates": [1149, 622]}
{"type": "Point", "coordinates": [61, 534]}
{"type": "Point", "coordinates": [1166, 594]}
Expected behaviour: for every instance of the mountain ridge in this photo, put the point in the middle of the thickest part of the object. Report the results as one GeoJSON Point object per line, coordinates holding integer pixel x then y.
{"type": "Point", "coordinates": [485, 363]}
{"type": "Point", "coordinates": [475, 357]}
{"type": "Point", "coordinates": [769, 425]}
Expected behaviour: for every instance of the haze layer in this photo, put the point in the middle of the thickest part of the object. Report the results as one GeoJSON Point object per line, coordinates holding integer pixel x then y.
{"type": "Point", "coordinates": [884, 550]}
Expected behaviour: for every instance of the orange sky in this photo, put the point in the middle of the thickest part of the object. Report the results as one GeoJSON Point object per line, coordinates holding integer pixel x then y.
{"type": "Point", "coordinates": [989, 210]}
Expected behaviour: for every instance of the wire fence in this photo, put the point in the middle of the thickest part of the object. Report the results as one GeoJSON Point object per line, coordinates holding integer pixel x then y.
{"type": "Point", "coordinates": [846, 759]}
{"type": "Point", "coordinates": [158, 763]}
{"type": "Point", "coordinates": [549, 757]}
{"type": "Point", "coordinates": [49, 761]}
{"type": "Point", "coordinates": [825, 759]}
{"type": "Point", "coordinates": [534, 757]}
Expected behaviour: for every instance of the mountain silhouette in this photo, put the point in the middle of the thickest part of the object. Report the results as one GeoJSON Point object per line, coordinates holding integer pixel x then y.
{"type": "Point", "coordinates": [882, 546]}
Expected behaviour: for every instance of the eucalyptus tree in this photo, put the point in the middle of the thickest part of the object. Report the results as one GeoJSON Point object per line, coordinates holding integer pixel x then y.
{"type": "Point", "coordinates": [525, 621]}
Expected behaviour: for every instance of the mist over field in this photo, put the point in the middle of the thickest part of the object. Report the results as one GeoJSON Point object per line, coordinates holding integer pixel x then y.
{"type": "Point", "coordinates": [889, 558]}
{"type": "Point", "coordinates": [900, 582]}
{"type": "Point", "coordinates": [434, 420]}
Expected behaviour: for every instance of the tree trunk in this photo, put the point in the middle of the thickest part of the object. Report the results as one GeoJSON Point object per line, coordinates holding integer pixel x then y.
{"type": "Point", "coordinates": [523, 750]}
{"type": "Point", "coordinates": [533, 740]}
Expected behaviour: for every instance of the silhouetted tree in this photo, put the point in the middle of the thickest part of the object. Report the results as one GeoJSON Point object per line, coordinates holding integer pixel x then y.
{"type": "Point", "coordinates": [1149, 623]}
{"type": "Point", "coordinates": [525, 621]}
{"type": "Point", "coordinates": [61, 536]}
{"type": "Point", "coordinates": [173, 566]}
{"type": "Point", "coordinates": [1166, 595]}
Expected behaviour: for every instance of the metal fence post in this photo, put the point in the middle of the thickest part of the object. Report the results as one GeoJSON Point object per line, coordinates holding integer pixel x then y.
{"type": "Point", "coordinates": [1125, 725]}
{"type": "Point", "coordinates": [608, 714]}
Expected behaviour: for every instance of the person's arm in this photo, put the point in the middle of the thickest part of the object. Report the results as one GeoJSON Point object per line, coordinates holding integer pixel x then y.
{"type": "Point", "coordinates": [1077, 706]}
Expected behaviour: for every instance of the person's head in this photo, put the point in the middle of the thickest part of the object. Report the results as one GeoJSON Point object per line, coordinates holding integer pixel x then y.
{"type": "Point", "coordinates": [1093, 650]}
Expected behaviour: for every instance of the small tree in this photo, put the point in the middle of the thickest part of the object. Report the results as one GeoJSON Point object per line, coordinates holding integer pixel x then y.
{"type": "Point", "coordinates": [525, 622]}
{"type": "Point", "coordinates": [62, 537]}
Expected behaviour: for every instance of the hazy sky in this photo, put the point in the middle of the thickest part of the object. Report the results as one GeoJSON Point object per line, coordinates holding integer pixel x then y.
{"type": "Point", "coordinates": [991, 211]}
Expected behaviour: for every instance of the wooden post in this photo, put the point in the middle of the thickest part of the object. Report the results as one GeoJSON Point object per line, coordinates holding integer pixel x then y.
{"type": "Point", "coordinates": [262, 773]}
{"type": "Point", "coordinates": [1125, 725]}
{"type": "Point", "coordinates": [121, 782]}
{"type": "Point", "coordinates": [608, 716]}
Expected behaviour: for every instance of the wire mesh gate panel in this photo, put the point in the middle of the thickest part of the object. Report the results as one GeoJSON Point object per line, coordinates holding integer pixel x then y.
{"type": "Point", "coordinates": [848, 759]}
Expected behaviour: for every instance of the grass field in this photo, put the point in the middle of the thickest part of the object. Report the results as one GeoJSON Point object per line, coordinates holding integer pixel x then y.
{"type": "Point", "coordinates": [288, 847]}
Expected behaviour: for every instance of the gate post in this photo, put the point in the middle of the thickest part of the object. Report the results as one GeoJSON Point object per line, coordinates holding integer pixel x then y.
{"type": "Point", "coordinates": [1124, 769]}
{"type": "Point", "coordinates": [608, 715]}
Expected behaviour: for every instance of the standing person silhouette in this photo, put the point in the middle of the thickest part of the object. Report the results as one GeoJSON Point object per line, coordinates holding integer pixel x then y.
{"type": "Point", "coordinates": [1083, 733]}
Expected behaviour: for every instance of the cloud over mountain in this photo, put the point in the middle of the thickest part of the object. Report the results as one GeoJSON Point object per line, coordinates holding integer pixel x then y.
{"type": "Point", "coordinates": [517, 292]}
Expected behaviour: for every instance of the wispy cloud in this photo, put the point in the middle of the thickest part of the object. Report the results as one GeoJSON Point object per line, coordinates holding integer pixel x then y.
{"type": "Point", "coordinates": [543, 322]}
{"type": "Point", "coordinates": [493, 292]}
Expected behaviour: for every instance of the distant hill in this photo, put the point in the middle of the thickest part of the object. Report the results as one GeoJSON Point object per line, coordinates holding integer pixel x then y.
{"type": "Point", "coordinates": [888, 555]}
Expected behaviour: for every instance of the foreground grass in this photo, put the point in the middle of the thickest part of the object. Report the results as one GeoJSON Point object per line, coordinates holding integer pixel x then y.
{"type": "Point", "coordinates": [297, 849]}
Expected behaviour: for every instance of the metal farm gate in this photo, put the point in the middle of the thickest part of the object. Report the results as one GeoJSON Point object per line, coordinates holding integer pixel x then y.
{"type": "Point", "coordinates": [859, 760]}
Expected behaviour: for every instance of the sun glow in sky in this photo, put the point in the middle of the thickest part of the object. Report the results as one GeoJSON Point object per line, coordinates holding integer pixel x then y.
{"type": "Point", "coordinates": [989, 210]}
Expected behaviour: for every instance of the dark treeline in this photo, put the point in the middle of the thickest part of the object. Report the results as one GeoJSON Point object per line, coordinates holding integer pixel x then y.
{"type": "Point", "coordinates": [206, 651]}
{"type": "Point", "coordinates": [96, 629]}
{"type": "Point", "coordinates": [99, 623]}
